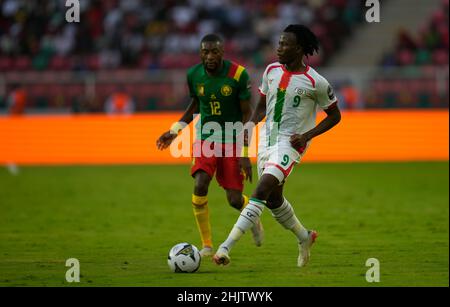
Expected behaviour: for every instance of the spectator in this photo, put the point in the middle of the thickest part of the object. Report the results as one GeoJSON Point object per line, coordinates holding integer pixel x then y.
{"type": "Point", "coordinates": [350, 95]}
{"type": "Point", "coordinates": [429, 47]}
{"type": "Point", "coordinates": [16, 101]}
{"type": "Point", "coordinates": [120, 103]}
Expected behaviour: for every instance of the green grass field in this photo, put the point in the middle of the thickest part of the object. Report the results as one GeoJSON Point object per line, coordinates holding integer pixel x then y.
{"type": "Point", "coordinates": [121, 221]}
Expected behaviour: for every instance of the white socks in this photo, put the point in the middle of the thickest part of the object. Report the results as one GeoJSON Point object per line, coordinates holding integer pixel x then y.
{"type": "Point", "coordinates": [285, 215]}
{"type": "Point", "coordinates": [248, 218]}
{"type": "Point", "coordinates": [250, 214]}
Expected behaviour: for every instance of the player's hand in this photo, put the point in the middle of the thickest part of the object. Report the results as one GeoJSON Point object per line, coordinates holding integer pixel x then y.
{"type": "Point", "coordinates": [246, 168]}
{"type": "Point", "coordinates": [165, 140]}
{"type": "Point", "coordinates": [299, 141]}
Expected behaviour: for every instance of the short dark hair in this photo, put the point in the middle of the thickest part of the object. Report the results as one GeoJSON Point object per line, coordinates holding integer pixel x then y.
{"type": "Point", "coordinates": [211, 38]}
{"type": "Point", "coordinates": [305, 37]}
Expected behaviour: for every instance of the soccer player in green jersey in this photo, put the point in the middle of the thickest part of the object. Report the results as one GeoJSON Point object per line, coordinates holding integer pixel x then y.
{"type": "Point", "coordinates": [220, 92]}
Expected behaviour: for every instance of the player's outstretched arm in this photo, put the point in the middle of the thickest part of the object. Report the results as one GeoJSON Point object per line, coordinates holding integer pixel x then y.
{"type": "Point", "coordinates": [299, 141]}
{"type": "Point", "coordinates": [167, 137]}
{"type": "Point", "coordinates": [192, 109]}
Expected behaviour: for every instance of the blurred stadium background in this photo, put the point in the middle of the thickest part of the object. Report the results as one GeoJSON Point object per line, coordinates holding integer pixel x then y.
{"type": "Point", "coordinates": [102, 90]}
{"type": "Point", "coordinates": [131, 57]}
{"type": "Point", "coordinates": [144, 47]}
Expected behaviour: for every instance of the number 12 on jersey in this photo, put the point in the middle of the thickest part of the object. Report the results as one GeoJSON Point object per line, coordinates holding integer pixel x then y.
{"type": "Point", "coordinates": [215, 108]}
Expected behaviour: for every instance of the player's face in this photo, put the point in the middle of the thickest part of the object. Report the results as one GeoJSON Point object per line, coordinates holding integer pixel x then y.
{"type": "Point", "coordinates": [288, 50]}
{"type": "Point", "coordinates": [211, 54]}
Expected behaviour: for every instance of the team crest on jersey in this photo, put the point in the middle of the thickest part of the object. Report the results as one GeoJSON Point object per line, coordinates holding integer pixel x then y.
{"type": "Point", "coordinates": [200, 89]}
{"type": "Point", "coordinates": [226, 90]}
{"type": "Point", "coordinates": [300, 91]}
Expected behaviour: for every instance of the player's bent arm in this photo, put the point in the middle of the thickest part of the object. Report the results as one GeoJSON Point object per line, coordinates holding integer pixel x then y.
{"type": "Point", "coordinates": [187, 117]}
{"type": "Point", "coordinates": [244, 163]}
{"type": "Point", "coordinates": [332, 119]}
{"type": "Point", "coordinates": [192, 109]}
{"type": "Point", "coordinates": [246, 109]}
{"type": "Point", "coordinates": [260, 111]}
{"type": "Point", "coordinates": [167, 137]}
{"type": "Point", "coordinates": [258, 114]}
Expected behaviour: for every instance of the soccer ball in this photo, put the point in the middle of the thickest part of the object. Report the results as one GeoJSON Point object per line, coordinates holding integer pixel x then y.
{"type": "Point", "coordinates": [184, 258]}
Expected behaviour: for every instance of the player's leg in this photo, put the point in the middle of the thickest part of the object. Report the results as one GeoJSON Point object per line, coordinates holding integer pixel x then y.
{"type": "Point", "coordinates": [230, 177]}
{"type": "Point", "coordinates": [239, 201]}
{"type": "Point", "coordinates": [280, 164]}
{"type": "Point", "coordinates": [251, 213]}
{"type": "Point", "coordinates": [284, 213]}
{"type": "Point", "coordinates": [277, 168]}
{"type": "Point", "coordinates": [201, 211]}
{"type": "Point", "coordinates": [236, 199]}
{"type": "Point", "coordinates": [202, 171]}
{"type": "Point", "coordinates": [248, 217]}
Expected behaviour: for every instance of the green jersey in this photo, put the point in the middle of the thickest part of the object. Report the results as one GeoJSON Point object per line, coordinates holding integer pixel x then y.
{"type": "Point", "coordinates": [219, 99]}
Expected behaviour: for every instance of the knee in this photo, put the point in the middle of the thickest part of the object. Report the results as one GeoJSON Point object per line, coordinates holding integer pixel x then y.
{"type": "Point", "coordinates": [201, 185]}
{"type": "Point", "coordinates": [261, 192]}
{"type": "Point", "coordinates": [274, 202]}
{"type": "Point", "coordinates": [200, 188]}
{"type": "Point", "coordinates": [236, 201]}
{"type": "Point", "coordinates": [266, 185]}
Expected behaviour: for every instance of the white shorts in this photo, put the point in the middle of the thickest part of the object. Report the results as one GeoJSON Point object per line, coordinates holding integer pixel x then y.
{"type": "Point", "coordinates": [278, 160]}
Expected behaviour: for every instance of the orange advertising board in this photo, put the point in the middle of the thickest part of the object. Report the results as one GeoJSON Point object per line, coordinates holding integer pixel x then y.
{"type": "Point", "coordinates": [411, 135]}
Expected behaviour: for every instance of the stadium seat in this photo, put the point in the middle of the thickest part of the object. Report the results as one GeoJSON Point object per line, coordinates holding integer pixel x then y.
{"type": "Point", "coordinates": [6, 63]}
{"type": "Point", "coordinates": [22, 63]}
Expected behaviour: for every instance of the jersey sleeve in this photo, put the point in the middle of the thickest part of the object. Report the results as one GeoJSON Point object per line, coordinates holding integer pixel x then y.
{"type": "Point", "coordinates": [244, 85]}
{"type": "Point", "coordinates": [264, 87]}
{"type": "Point", "coordinates": [325, 96]}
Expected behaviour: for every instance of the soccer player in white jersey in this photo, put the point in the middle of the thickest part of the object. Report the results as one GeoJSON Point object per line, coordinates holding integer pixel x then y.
{"type": "Point", "coordinates": [291, 92]}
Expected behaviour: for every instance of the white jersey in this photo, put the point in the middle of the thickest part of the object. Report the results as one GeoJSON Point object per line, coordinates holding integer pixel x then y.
{"type": "Point", "coordinates": [291, 102]}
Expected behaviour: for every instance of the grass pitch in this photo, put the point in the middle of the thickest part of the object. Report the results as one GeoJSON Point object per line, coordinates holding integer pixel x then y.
{"type": "Point", "coordinates": [121, 221]}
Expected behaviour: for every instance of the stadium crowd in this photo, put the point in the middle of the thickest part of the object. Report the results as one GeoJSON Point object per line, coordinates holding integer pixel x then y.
{"type": "Point", "coordinates": [117, 37]}
{"type": "Point", "coordinates": [160, 34]}
{"type": "Point", "coordinates": [418, 54]}
{"type": "Point", "coordinates": [429, 46]}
